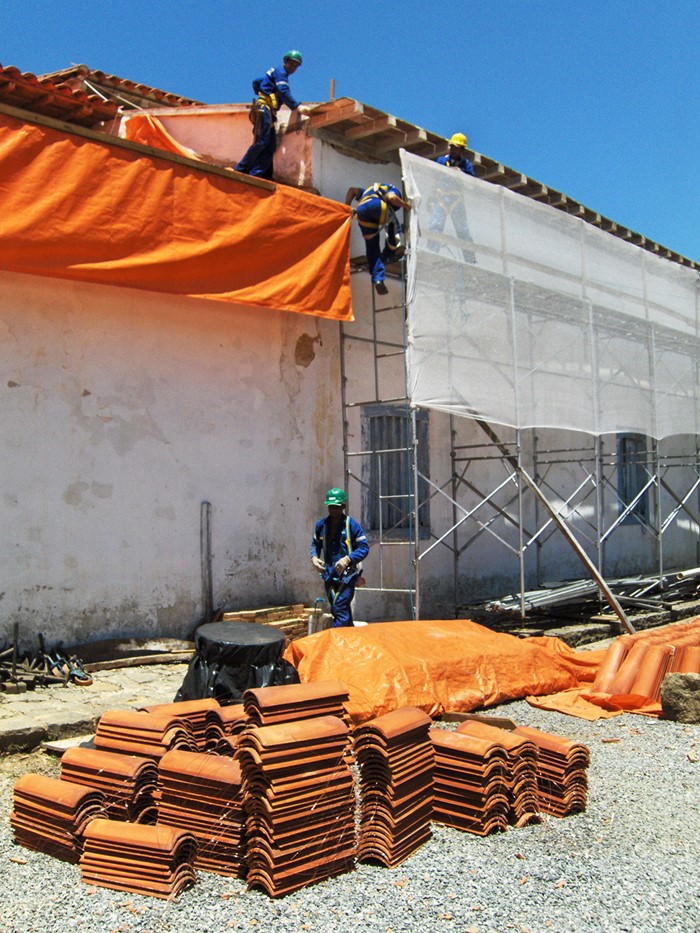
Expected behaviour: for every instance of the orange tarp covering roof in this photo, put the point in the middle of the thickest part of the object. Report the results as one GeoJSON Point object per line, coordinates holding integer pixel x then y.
{"type": "Point", "coordinates": [453, 665]}
{"type": "Point", "coordinates": [149, 131]}
{"type": "Point", "coordinates": [79, 208]}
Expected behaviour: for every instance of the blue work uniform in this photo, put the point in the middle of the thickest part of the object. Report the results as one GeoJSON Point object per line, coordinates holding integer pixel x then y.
{"type": "Point", "coordinates": [464, 165]}
{"type": "Point", "coordinates": [348, 540]}
{"type": "Point", "coordinates": [448, 203]}
{"type": "Point", "coordinates": [272, 91]}
{"type": "Point", "coordinates": [373, 213]}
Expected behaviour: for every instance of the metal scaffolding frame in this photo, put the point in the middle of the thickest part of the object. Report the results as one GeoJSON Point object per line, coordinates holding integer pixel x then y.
{"type": "Point", "coordinates": [527, 501]}
{"type": "Point", "coordinates": [403, 510]}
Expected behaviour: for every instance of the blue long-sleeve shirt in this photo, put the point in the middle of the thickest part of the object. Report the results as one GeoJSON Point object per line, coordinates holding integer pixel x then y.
{"type": "Point", "coordinates": [464, 165]}
{"type": "Point", "coordinates": [330, 548]}
{"type": "Point", "coordinates": [276, 81]}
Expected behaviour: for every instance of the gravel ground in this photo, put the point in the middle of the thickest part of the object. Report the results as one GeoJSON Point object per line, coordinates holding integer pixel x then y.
{"type": "Point", "coordinates": [631, 862]}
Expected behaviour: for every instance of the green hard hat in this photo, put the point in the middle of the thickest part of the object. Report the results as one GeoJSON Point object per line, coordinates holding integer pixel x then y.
{"type": "Point", "coordinates": [335, 496]}
{"type": "Point", "coordinates": [294, 54]}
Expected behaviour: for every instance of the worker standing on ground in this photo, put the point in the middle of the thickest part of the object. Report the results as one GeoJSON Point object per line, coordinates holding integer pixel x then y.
{"type": "Point", "coordinates": [376, 209]}
{"type": "Point", "coordinates": [338, 547]}
{"type": "Point", "coordinates": [272, 91]}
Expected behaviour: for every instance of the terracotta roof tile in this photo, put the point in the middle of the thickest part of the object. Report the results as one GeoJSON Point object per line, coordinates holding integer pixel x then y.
{"type": "Point", "coordinates": [146, 734]}
{"type": "Point", "coordinates": [42, 96]}
{"type": "Point", "coordinates": [395, 757]}
{"type": "Point", "coordinates": [155, 860]}
{"type": "Point", "coordinates": [121, 90]}
{"type": "Point", "coordinates": [288, 702]}
{"type": "Point", "coordinates": [128, 782]}
{"type": "Point", "coordinates": [51, 816]}
{"type": "Point", "coordinates": [299, 794]}
{"type": "Point", "coordinates": [203, 794]}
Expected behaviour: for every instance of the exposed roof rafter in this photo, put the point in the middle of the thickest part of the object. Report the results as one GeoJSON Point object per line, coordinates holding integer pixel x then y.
{"type": "Point", "coordinates": [379, 136]}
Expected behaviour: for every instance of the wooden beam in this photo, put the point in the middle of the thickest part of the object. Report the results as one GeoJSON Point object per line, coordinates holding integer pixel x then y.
{"type": "Point", "coordinates": [495, 171]}
{"type": "Point", "coordinates": [401, 139]}
{"type": "Point", "coordinates": [350, 110]}
{"type": "Point", "coordinates": [371, 127]}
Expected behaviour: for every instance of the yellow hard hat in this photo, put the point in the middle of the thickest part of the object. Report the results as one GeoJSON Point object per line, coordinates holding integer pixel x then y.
{"type": "Point", "coordinates": [459, 139]}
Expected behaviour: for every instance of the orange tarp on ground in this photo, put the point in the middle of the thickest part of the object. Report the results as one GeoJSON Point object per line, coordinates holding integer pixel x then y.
{"type": "Point", "coordinates": [452, 665]}
{"type": "Point", "coordinates": [78, 208]}
{"type": "Point", "coordinates": [630, 675]}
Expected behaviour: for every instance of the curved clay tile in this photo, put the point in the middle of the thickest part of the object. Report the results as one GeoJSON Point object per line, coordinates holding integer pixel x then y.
{"type": "Point", "coordinates": [628, 671]}
{"type": "Point", "coordinates": [396, 723]}
{"type": "Point", "coordinates": [655, 665]}
{"type": "Point", "coordinates": [614, 656]}
{"type": "Point", "coordinates": [302, 732]}
{"type": "Point", "coordinates": [687, 660]}
{"type": "Point", "coordinates": [198, 765]}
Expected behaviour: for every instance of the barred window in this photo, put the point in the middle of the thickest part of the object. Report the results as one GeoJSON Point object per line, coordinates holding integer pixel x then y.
{"type": "Point", "coordinates": [388, 478]}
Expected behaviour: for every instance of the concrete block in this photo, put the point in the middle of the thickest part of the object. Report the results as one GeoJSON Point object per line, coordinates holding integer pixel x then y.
{"type": "Point", "coordinates": [20, 733]}
{"type": "Point", "coordinates": [680, 697]}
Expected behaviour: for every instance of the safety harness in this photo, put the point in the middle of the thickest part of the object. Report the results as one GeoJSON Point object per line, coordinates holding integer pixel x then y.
{"type": "Point", "coordinates": [337, 588]}
{"type": "Point", "coordinates": [348, 539]}
{"type": "Point", "coordinates": [370, 194]}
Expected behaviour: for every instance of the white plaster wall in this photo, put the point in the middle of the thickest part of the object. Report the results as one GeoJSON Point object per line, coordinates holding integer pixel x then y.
{"type": "Point", "coordinates": [122, 411]}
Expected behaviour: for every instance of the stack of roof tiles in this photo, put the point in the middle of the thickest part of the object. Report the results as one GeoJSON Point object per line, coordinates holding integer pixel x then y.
{"type": "Point", "coordinates": [192, 711]}
{"type": "Point", "coordinates": [149, 735]}
{"type": "Point", "coordinates": [127, 782]}
{"type": "Point", "coordinates": [395, 756]}
{"type": "Point", "coordinates": [470, 782]}
{"type": "Point", "coordinates": [51, 816]}
{"type": "Point", "coordinates": [635, 665]}
{"type": "Point", "coordinates": [222, 727]}
{"type": "Point", "coordinates": [155, 860]}
{"type": "Point", "coordinates": [562, 780]}
{"type": "Point", "coordinates": [202, 793]}
{"type": "Point", "coordinates": [300, 803]}
{"type": "Point", "coordinates": [521, 768]}
{"type": "Point", "coordinates": [267, 705]}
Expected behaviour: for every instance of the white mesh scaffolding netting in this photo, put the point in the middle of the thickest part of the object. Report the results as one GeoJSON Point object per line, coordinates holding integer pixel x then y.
{"type": "Point", "coordinates": [523, 315]}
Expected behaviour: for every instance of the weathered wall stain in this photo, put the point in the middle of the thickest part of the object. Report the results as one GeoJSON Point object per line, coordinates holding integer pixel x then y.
{"type": "Point", "coordinates": [304, 354]}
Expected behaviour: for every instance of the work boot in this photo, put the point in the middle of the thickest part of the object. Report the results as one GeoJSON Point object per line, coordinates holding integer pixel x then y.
{"type": "Point", "coordinates": [381, 288]}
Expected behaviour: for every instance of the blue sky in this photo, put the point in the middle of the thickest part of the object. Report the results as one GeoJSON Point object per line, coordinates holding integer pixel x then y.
{"type": "Point", "coordinates": [600, 100]}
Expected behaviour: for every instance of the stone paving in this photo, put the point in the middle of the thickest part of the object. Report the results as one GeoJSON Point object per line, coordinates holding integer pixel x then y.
{"type": "Point", "coordinates": [57, 711]}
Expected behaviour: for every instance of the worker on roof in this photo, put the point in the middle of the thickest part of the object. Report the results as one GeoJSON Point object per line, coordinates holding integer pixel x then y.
{"type": "Point", "coordinates": [457, 156]}
{"type": "Point", "coordinates": [448, 203]}
{"type": "Point", "coordinates": [338, 547]}
{"type": "Point", "coordinates": [272, 91]}
{"type": "Point", "coordinates": [376, 209]}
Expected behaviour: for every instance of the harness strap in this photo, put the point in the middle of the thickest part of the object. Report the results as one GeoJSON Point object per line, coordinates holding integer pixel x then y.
{"type": "Point", "coordinates": [348, 539]}
{"type": "Point", "coordinates": [270, 101]}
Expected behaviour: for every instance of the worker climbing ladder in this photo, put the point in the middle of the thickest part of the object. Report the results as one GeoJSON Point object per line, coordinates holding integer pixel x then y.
{"type": "Point", "coordinates": [380, 443]}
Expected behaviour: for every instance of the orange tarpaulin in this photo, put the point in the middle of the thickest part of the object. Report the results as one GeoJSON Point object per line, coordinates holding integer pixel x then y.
{"type": "Point", "coordinates": [149, 131]}
{"type": "Point", "coordinates": [453, 665]}
{"type": "Point", "coordinates": [79, 208]}
{"type": "Point", "coordinates": [630, 674]}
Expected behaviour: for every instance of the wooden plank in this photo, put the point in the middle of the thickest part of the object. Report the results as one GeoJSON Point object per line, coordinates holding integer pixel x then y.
{"type": "Point", "coordinates": [338, 113]}
{"type": "Point", "coordinates": [174, 657]}
{"type": "Point", "coordinates": [404, 140]}
{"type": "Point", "coordinates": [371, 127]}
{"type": "Point", "coordinates": [500, 722]}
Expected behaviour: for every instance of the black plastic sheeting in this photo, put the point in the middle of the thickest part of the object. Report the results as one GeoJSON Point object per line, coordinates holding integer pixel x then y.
{"type": "Point", "coordinates": [232, 657]}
